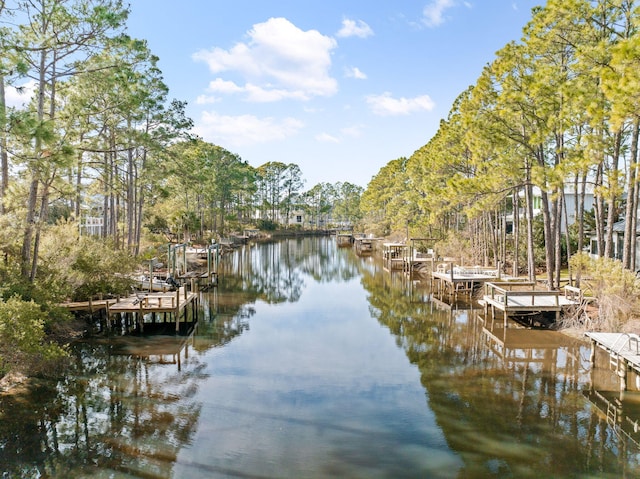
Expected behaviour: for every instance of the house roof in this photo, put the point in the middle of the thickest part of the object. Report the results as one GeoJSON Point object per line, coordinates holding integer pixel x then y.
{"type": "Point", "coordinates": [618, 227]}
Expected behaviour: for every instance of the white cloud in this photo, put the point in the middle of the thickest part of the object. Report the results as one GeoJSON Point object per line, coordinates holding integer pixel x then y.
{"type": "Point", "coordinates": [354, 72]}
{"type": "Point", "coordinates": [223, 86]}
{"type": "Point", "coordinates": [327, 138]}
{"type": "Point", "coordinates": [386, 105]}
{"type": "Point", "coordinates": [245, 129]}
{"type": "Point", "coordinates": [433, 13]}
{"type": "Point", "coordinates": [253, 93]}
{"type": "Point", "coordinates": [206, 100]}
{"type": "Point", "coordinates": [279, 61]}
{"type": "Point", "coordinates": [18, 96]}
{"type": "Point", "coordinates": [351, 28]}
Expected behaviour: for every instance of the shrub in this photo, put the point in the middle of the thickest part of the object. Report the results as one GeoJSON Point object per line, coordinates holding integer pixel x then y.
{"type": "Point", "coordinates": [22, 338]}
{"type": "Point", "coordinates": [616, 289]}
{"type": "Point", "coordinates": [267, 225]}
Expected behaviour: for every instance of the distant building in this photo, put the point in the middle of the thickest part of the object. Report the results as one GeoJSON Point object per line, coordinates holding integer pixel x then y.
{"type": "Point", "coordinates": [91, 225]}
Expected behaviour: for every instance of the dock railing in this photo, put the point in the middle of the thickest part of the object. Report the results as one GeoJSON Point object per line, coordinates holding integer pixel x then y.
{"type": "Point", "coordinates": [502, 291]}
{"type": "Point", "coordinates": [626, 340]}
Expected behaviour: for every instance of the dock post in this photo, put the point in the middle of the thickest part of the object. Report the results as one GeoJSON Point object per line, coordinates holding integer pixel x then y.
{"type": "Point", "coordinates": [177, 311]}
{"type": "Point", "coordinates": [141, 317]}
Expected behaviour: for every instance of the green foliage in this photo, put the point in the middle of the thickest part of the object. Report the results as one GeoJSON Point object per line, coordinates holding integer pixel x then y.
{"type": "Point", "coordinates": [267, 225]}
{"type": "Point", "coordinates": [616, 289]}
{"type": "Point", "coordinates": [454, 246]}
{"type": "Point", "coordinates": [79, 267]}
{"type": "Point", "coordinates": [22, 338]}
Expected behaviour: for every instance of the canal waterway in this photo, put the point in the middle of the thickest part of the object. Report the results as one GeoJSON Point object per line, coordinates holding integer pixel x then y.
{"type": "Point", "coordinates": [311, 362]}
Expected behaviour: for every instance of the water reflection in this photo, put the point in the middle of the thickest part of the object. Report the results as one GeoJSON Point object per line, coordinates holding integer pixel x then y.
{"type": "Point", "coordinates": [310, 361]}
{"type": "Point", "coordinates": [508, 400]}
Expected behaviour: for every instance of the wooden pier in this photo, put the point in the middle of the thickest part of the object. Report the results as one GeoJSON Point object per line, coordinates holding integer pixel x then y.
{"type": "Point", "coordinates": [447, 278]}
{"type": "Point", "coordinates": [363, 245]}
{"type": "Point", "coordinates": [394, 255]}
{"type": "Point", "coordinates": [623, 350]}
{"type": "Point", "coordinates": [520, 298]}
{"type": "Point", "coordinates": [171, 305]}
{"type": "Point", "coordinates": [90, 306]}
{"type": "Point", "coordinates": [344, 239]}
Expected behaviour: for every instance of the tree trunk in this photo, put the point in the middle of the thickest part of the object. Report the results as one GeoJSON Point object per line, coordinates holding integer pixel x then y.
{"type": "Point", "coordinates": [4, 160]}
{"type": "Point", "coordinates": [130, 200]}
{"type": "Point", "coordinates": [599, 211]}
{"type": "Point", "coordinates": [628, 254]}
{"type": "Point", "coordinates": [612, 196]}
{"type": "Point", "coordinates": [44, 211]}
{"type": "Point", "coordinates": [531, 263]}
{"type": "Point", "coordinates": [516, 233]}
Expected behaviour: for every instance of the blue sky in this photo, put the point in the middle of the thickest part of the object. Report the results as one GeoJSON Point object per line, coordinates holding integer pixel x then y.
{"type": "Point", "coordinates": [339, 88]}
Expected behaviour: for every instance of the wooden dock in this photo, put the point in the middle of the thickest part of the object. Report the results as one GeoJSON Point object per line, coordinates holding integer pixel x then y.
{"type": "Point", "coordinates": [344, 239]}
{"type": "Point", "coordinates": [519, 297]}
{"type": "Point", "coordinates": [90, 306]}
{"type": "Point", "coordinates": [394, 255]}
{"type": "Point", "coordinates": [363, 245]}
{"type": "Point", "coordinates": [172, 306]}
{"type": "Point", "coordinates": [446, 278]}
{"type": "Point", "coordinates": [623, 350]}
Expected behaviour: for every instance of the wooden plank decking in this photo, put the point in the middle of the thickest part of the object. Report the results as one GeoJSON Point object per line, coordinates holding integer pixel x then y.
{"type": "Point", "coordinates": [89, 306]}
{"type": "Point", "coordinates": [456, 280]}
{"type": "Point", "coordinates": [623, 350]}
{"type": "Point", "coordinates": [517, 297]}
{"type": "Point", "coordinates": [140, 304]}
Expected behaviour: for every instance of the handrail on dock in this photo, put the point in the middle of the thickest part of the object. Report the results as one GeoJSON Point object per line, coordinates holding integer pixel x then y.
{"type": "Point", "coordinates": [629, 339]}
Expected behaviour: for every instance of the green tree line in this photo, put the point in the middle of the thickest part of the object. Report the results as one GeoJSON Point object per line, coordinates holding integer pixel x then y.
{"type": "Point", "coordinates": [556, 112]}
{"type": "Point", "coordinates": [99, 138]}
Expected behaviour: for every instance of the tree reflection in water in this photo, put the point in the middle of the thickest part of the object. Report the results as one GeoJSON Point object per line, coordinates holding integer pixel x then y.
{"type": "Point", "coordinates": [489, 402]}
{"type": "Point", "coordinates": [509, 401]}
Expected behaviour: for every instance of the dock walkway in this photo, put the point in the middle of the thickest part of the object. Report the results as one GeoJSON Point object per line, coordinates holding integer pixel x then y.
{"type": "Point", "coordinates": [519, 297]}
{"type": "Point", "coordinates": [459, 280]}
{"type": "Point", "coordinates": [140, 304]}
{"type": "Point", "coordinates": [174, 303]}
{"type": "Point", "coordinates": [623, 350]}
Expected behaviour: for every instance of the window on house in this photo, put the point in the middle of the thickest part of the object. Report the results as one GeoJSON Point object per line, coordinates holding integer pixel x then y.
{"type": "Point", "coordinates": [594, 247]}
{"type": "Point", "coordinates": [299, 219]}
{"type": "Point", "coordinates": [537, 202]}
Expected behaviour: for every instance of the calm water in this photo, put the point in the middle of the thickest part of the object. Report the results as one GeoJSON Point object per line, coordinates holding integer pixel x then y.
{"type": "Point", "coordinates": [308, 362]}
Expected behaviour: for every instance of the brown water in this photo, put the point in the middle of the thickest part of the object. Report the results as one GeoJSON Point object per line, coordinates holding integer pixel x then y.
{"type": "Point", "coordinates": [309, 362]}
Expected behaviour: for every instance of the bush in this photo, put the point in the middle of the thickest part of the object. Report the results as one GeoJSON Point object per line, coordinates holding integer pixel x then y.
{"type": "Point", "coordinates": [267, 225]}
{"type": "Point", "coordinates": [22, 338]}
{"type": "Point", "coordinates": [79, 267]}
{"type": "Point", "coordinates": [616, 289]}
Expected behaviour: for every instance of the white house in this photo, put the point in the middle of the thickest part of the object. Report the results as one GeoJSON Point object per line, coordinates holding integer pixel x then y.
{"type": "Point", "coordinates": [570, 197]}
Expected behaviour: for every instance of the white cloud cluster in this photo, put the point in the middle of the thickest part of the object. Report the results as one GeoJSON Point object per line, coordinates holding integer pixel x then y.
{"type": "Point", "coordinates": [433, 13]}
{"type": "Point", "coordinates": [279, 61]}
{"type": "Point", "coordinates": [245, 130]}
{"type": "Point", "coordinates": [352, 28]}
{"type": "Point", "coordinates": [386, 105]}
{"type": "Point", "coordinates": [355, 72]}
{"type": "Point", "coordinates": [353, 131]}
